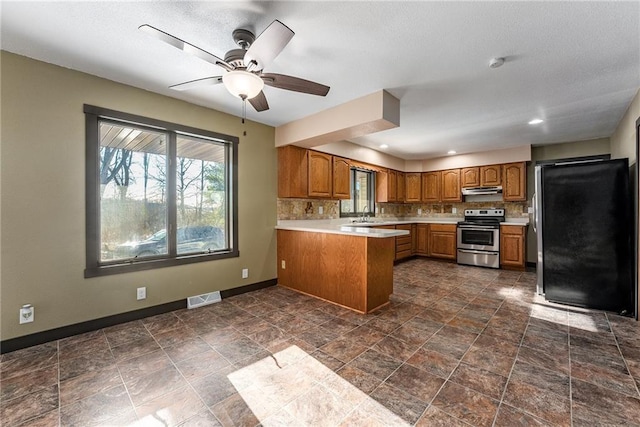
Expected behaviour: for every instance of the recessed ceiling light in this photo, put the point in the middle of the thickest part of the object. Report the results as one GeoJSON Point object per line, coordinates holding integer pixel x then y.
{"type": "Point", "coordinates": [451, 152]}
{"type": "Point", "coordinates": [384, 146]}
{"type": "Point", "coordinates": [536, 121]}
{"type": "Point", "coordinates": [496, 62]}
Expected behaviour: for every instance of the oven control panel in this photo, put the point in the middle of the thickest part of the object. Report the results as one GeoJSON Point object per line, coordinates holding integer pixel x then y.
{"type": "Point", "coordinates": [484, 212]}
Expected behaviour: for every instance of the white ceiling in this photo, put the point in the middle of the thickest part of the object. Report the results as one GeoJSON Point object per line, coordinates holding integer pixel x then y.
{"type": "Point", "coordinates": [574, 64]}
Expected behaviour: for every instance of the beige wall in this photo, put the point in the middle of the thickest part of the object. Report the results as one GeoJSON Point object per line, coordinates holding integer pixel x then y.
{"type": "Point", "coordinates": [565, 150]}
{"type": "Point", "coordinates": [623, 140]}
{"type": "Point", "coordinates": [481, 158]}
{"type": "Point", "coordinates": [623, 144]}
{"type": "Point", "coordinates": [43, 203]}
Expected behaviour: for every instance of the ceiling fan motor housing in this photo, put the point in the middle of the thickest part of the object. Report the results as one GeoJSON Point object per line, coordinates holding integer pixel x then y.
{"type": "Point", "coordinates": [243, 38]}
{"type": "Point", "coordinates": [235, 57]}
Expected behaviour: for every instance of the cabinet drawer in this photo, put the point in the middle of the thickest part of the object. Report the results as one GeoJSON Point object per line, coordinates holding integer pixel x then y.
{"type": "Point", "coordinates": [403, 240]}
{"type": "Point", "coordinates": [451, 228]}
{"type": "Point", "coordinates": [403, 247]}
{"type": "Point", "coordinates": [512, 229]}
{"type": "Point", "coordinates": [403, 254]}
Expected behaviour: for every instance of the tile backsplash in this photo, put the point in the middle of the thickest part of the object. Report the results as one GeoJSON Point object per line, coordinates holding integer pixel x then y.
{"type": "Point", "coordinates": [291, 209]}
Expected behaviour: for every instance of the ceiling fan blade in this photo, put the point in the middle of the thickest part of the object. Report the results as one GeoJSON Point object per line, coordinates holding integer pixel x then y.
{"type": "Point", "coordinates": [259, 102]}
{"type": "Point", "coordinates": [267, 46]}
{"type": "Point", "coordinates": [184, 46]}
{"type": "Point", "coordinates": [282, 81]}
{"type": "Point", "coordinates": [192, 84]}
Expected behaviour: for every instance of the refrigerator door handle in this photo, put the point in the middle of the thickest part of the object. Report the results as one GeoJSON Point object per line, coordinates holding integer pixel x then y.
{"type": "Point", "coordinates": [535, 213]}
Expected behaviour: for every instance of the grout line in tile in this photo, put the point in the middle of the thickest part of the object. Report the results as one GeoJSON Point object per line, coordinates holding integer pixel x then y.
{"type": "Point", "coordinates": [626, 365]}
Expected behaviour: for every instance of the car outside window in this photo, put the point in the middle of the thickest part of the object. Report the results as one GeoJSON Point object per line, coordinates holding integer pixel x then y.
{"type": "Point", "coordinates": [158, 193]}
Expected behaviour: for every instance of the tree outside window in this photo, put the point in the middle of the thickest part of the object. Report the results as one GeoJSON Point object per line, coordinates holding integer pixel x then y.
{"type": "Point", "coordinates": [156, 196]}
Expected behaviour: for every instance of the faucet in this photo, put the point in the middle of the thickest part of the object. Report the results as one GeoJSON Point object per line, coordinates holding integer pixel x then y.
{"type": "Point", "coordinates": [365, 210]}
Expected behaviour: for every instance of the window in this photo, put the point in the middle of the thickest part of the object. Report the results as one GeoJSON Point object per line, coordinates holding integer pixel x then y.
{"type": "Point", "coordinates": [158, 194]}
{"type": "Point", "coordinates": [362, 194]}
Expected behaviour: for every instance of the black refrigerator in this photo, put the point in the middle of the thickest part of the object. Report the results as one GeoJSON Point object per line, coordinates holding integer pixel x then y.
{"type": "Point", "coordinates": [582, 220]}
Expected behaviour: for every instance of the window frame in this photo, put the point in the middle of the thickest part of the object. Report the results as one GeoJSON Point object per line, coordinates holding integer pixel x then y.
{"type": "Point", "coordinates": [352, 188]}
{"type": "Point", "coordinates": [96, 268]}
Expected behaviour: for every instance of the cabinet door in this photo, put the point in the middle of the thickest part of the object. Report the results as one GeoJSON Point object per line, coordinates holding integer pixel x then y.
{"type": "Point", "coordinates": [451, 186]}
{"type": "Point", "coordinates": [414, 239]}
{"type": "Point", "coordinates": [422, 231]}
{"type": "Point", "coordinates": [292, 171]}
{"type": "Point", "coordinates": [512, 252]}
{"type": "Point", "coordinates": [341, 185]}
{"type": "Point", "coordinates": [515, 182]}
{"type": "Point", "coordinates": [401, 187]}
{"type": "Point", "coordinates": [413, 184]}
{"type": "Point", "coordinates": [392, 183]}
{"type": "Point", "coordinates": [403, 243]}
{"type": "Point", "coordinates": [490, 176]}
{"type": "Point", "coordinates": [320, 168]}
{"type": "Point", "coordinates": [442, 241]}
{"type": "Point", "coordinates": [382, 186]}
{"type": "Point", "coordinates": [431, 186]}
{"type": "Point", "coordinates": [470, 177]}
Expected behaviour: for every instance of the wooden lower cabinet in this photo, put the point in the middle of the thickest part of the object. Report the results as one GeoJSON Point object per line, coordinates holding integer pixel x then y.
{"type": "Point", "coordinates": [352, 271]}
{"type": "Point", "coordinates": [512, 247]}
{"type": "Point", "coordinates": [403, 243]}
{"type": "Point", "coordinates": [442, 241]}
{"type": "Point", "coordinates": [422, 237]}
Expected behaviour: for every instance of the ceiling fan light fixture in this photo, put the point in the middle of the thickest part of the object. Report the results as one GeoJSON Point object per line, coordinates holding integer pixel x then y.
{"type": "Point", "coordinates": [243, 84]}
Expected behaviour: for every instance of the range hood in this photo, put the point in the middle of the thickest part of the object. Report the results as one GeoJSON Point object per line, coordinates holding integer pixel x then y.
{"type": "Point", "coordinates": [476, 191]}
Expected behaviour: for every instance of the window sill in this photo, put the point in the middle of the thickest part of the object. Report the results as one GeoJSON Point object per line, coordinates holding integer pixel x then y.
{"type": "Point", "coordinates": [133, 266]}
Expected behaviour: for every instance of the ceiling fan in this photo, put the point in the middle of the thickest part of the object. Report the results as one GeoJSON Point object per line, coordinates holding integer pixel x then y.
{"type": "Point", "coordinates": [244, 75]}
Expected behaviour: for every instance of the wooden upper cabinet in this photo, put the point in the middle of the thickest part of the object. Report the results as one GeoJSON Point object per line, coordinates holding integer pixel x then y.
{"type": "Point", "coordinates": [341, 183]}
{"type": "Point", "coordinates": [482, 176]}
{"type": "Point", "coordinates": [386, 186]}
{"type": "Point", "coordinates": [413, 187]}
{"type": "Point", "coordinates": [470, 177]}
{"type": "Point", "coordinates": [393, 186]}
{"type": "Point", "coordinates": [490, 176]}
{"type": "Point", "coordinates": [320, 174]}
{"type": "Point", "coordinates": [450, 189]}
{"type": "Point", "coordinates": [431, 186]}
{"type": "Point", "coordinates": [400, 188]}
{"type": "Point", "coordinates": [515, 182]}
{"type": "Point", "coordinates": [382, 186]}
{"type": "Point", "coordinates": [292, 171]}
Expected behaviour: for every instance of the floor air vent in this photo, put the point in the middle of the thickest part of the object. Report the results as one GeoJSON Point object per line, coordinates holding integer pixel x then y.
{"type": "Point", "coordinates": [204, 299]}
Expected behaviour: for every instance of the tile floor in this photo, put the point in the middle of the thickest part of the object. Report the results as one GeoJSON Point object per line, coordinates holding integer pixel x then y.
{"type": "Point", "coordinates": [457, 346]}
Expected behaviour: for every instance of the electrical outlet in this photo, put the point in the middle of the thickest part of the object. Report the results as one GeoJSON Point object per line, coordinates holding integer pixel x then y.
{"type": "Point", "coordinates": [381, 210]}
{"type": "Point", "coordinates": [419, 211]}
{"type": "Point", "coordinates": [454, 210]}
{"type": "Point", "coordinates": [26, 314]}
{"type": "Point", "coordinates": [320, 210]}
{"type": "Point", "coordinates": [530, 210]}
{"type": "Point", "coordinates": [245, 273]}
{"type": "Point", "coordinates": [283, 265]}
{"type": "Point", "coordinates": [141, 293]}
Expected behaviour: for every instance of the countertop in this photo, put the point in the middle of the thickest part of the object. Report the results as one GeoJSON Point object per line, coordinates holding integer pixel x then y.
{"type": "Point", "coordinates": [338, 227]}
{"type": "Point", "coordinates": [347, 227]}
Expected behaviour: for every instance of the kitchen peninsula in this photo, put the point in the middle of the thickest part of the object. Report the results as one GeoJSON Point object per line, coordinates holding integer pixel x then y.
{"type": "Point", "coordinates": [349, 266]}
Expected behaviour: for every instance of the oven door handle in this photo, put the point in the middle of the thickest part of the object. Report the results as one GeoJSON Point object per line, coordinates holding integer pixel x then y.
{"type": "Point", "coordinates": [477, 228]}
{"type": "Point", "coordinates": [470, 251]}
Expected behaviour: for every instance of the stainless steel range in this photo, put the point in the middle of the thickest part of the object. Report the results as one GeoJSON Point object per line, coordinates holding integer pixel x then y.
{"type": "Point", "coordinates": [479, 237]}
